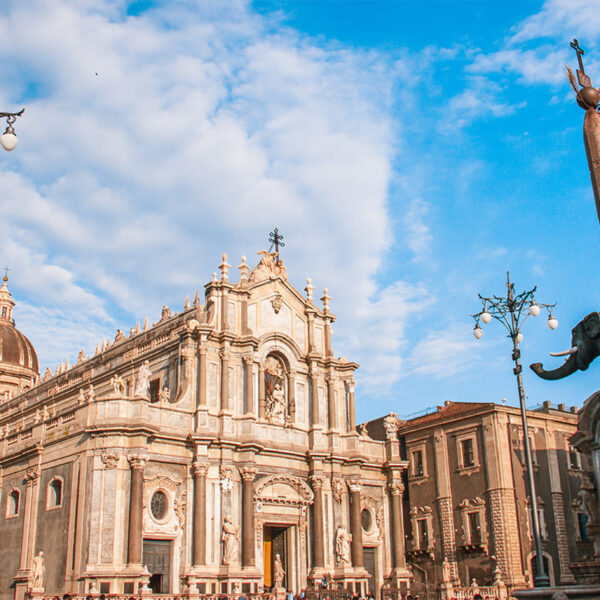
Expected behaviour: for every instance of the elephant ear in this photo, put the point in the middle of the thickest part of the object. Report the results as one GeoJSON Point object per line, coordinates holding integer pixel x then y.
{"type": "Point", "coordinates": [591, 324]}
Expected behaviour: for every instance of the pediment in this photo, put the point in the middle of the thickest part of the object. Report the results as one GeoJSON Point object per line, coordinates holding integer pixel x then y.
{"type": "Point", "coordinates": [283, 490]}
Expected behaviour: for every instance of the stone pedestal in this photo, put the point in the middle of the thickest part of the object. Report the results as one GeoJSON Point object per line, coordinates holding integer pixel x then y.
{"type": "Point", "coordinates": [278, 592]}
{"type": "Point", "coordinates": [446, 591]}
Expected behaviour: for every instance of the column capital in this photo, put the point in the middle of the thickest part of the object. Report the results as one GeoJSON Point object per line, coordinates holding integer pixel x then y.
{"type": "Point", "coordinates": [248, 473]}
{"type": "Point", "coordinates": [203, 348]}
{"type": "Point", "coordinates": [31, 476]}
{"type": "Point", "coordinates": [317, 481]}
{"type": "Point", "coordinates": [199, 468]}
{"type": "Point", "coordinates": [248, 359]}
{"type": "Point", "coordinates": [137, 461]}
{"type": "Point", "coordinates": [353, 486]}
{"type": "Point", "coordinates": [110, 460]}
{"type": "Point", "coordinates": [395, 487]}
{"type": "Point", "coordinates": [225, 356]}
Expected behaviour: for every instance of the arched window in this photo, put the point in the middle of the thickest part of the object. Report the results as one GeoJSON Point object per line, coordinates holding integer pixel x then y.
{"type": "Point", "coordinates": [54, 493]}
{"type": "Point", "coordinates": [12, 504]}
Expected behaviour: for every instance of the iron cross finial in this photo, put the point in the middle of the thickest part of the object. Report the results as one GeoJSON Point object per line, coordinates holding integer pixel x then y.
{"type": "Point", "coordinates": [276, 239]}
{"type": "Point", "coordinates": [6, 270]}
{"type": "Point", "coordinates": [580, 53]}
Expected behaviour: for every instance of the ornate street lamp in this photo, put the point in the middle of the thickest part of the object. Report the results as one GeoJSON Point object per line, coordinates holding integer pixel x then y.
{"type": "Point", "coordinates": [9, 138]}
{"type": "Point", "coordinates": [512, 311]}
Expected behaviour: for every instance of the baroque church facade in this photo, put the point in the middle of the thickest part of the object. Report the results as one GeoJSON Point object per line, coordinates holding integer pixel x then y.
{"type": "Point", "coordinates": [213, 452]}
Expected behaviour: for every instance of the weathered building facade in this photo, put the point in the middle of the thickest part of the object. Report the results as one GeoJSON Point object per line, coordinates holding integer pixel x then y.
{"type": "Point", "coordinates": [466, 503]}
{"type": "Point", "coordinates": [190, 456]}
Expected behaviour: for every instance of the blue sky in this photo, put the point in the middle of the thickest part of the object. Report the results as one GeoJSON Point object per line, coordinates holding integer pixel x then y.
{"type": "Point", "coordinates": [410, 152]}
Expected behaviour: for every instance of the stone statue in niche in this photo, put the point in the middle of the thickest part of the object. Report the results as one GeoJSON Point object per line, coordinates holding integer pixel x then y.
{"type": "Point", "coordinates": [229, 538]}
{"type": "Point", "coordinates": [275, 398]}
{"type": "Point", "coordinates": [37, 571]}
{"type": "Point", "coordinates": [342, 546]}
{"type": "Point", "coordinates": [276, 405]}
{"type": "Point", "coordinates": [142, 387]}
{"type": "Point", "coordinates": [164, 395]}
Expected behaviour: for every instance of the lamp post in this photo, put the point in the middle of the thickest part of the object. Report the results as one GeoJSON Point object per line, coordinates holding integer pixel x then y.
{"type": "Point", "coordinates": [9, 138]}
{"type": "Point", "coordinates": [512, 311]}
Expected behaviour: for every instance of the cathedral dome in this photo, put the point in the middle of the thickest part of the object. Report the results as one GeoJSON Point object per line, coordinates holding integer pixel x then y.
{"type": "Point", "coordinates": [18, 360]}
{"type": "Point", "coordinates": [15, 348]}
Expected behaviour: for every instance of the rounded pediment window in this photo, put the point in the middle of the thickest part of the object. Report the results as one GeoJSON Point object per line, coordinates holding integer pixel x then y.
{"type": "Point", "coordinates": [366, 519]}
{"type": "Point", "coordinates": [159, 505]}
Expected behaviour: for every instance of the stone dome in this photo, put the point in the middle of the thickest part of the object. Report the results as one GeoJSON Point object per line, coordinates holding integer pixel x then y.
{"type": "Point", "coordinates": [18, 360]}
{"type": "Point", "coordinates": [15, 348]}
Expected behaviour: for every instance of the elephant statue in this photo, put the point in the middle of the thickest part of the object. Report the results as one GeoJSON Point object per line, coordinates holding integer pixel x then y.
{"type": "Point", "coordinates": [585, 346]}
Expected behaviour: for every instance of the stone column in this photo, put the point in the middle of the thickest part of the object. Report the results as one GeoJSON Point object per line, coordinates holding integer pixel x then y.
{"type": "Point", "coordinates": [318, 546]}
{"type": "Point", "coordinates": [202, 376]}
{"type": "Point", "coordinates": [314, 396]}
{"type": "Point", "coordinates": [327, 335]}
{"type": "Point", "coordinates": [261, 393]}
{"type": "Point", "coordinates": [249, 396]}
{"type": "Point", "coordinates": [136, 507]}
{"type": "Point", "coordinates": [248, 475]}
{"type": "Point", "coordinates": [311, 331]}
{"type": "Point", "coordinates": [224, 380]}
{"type": "Point", "coordinates": [331, 402]}
{"type": "Point", "coordinates": [395, 488]}
{"type": "Point", "coordinates": [200, 470]}
{"type": "Point", "coordinates": [351, 407]}
{"type": "Point", "coordinates": [356, 526]}
{"type": "Point", "coordinates": [29, 516]}
{"type": "Point", "coordinates": [224, 319]}
{"type": "Point", "coordinates": [292, 396]}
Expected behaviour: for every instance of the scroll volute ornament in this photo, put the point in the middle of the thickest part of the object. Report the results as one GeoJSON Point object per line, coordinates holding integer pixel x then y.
{"type": "Point", "coordinates": [317, 481]}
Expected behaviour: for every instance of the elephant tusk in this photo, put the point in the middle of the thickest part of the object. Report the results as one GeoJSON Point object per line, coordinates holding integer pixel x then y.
{"type": "Point", "coordinates": [566, 352]}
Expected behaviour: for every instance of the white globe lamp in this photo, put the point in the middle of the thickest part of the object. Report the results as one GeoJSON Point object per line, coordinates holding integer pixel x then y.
{"type": "Point", "coordinates": [9, 139]}
{"type": "Point", "coordinates": [486, 317]}
{"type": "Point", "coordinates": [477, 332]}
{"type": "Point", "coordinates": [552, 321]}
{"type": "Point", "coordinates": [534, 309]}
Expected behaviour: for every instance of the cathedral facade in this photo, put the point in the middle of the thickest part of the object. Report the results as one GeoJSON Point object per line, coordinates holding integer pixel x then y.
{"type": "Point", "coordinates": [213, 452]}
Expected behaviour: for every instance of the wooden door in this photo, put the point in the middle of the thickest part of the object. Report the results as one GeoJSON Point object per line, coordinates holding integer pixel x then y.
{"type": "Point", "coordinates": [157, 558]}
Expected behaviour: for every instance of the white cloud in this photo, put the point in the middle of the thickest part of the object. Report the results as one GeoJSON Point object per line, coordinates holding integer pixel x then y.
{"type": "Point", "coordinates": [418, 233]}
{"type": "Point", "coordinates": [204, 128]}
{"type": "Point", "coordinates": [380, 333]}
{"type": "Point", "coordinates": [443, 354]}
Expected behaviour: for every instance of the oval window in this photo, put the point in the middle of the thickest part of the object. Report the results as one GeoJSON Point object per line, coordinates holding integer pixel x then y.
{"type": "Point", "coordinates": [158, 505]}
{"type": "Point", "coordinates": [366, 519]}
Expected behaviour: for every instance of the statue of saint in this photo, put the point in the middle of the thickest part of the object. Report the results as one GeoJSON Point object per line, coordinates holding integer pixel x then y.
{"type": "Point", "coordinates": [37, 571]}
{"type": "Point", "coordinates": [276, 412]}
{"type": "Point", "coordinates": [142, 387]}
{"type": "Point", "coordinates": [446, 574]}
{"type": "Point", "coordinates": [229, 538]}
{"type": "Point", "coordinates": [278, 571]}
{"type": "Point", "coordinates": [342, 546]}
{"type": "Point", "coordinates": [588, 501]}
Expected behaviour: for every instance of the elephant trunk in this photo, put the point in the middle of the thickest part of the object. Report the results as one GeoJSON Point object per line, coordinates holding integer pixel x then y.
{"type": "Point", "coordinates": [567, 368]}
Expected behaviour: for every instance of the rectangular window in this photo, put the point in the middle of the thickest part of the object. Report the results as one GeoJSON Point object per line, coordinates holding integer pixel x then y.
{"type": "Point", "coordinates": [154, 390]}
{"type": "Point", "coordinates": [574, 458]}
{"type": "Point", "coordinates": [582, 520]}
{"type": "Point", "coordinates": [418, 470]}
{"type": "Point", "coordinates": [468, 456]}
{"type": "Point", "coordinates": [474, 528]}
{"type": "Point", "coordinates": [423, 534]}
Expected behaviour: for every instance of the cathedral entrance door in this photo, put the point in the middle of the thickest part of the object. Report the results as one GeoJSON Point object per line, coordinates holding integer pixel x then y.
{"type": "Point", "coordinates": [157, 558]}
{"type": "Point", "coordinates": [274, 542]}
